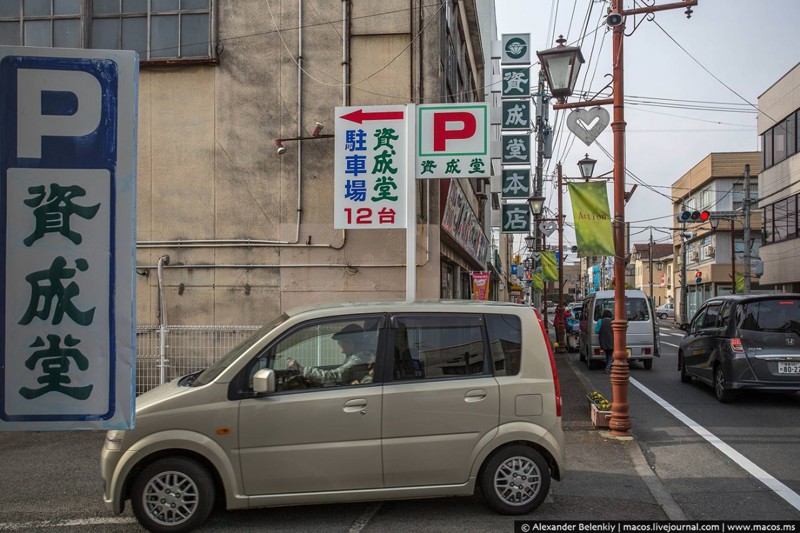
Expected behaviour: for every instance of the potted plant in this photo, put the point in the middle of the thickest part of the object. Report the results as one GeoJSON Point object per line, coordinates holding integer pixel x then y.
{"type": "Point", "coordinates": [601, 409]}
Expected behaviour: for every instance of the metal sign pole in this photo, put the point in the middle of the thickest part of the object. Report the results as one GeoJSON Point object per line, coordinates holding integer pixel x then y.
{"type": "Point", "coordinates": [411, 204]}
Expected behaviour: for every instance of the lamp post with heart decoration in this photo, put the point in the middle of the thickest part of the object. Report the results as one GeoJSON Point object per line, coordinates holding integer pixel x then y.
{"type": "Point", "coordinates": [561, 66]}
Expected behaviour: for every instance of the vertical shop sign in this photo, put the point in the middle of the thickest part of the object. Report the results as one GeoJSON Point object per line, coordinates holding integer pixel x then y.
{"type": "Point", "coordinates": [67, 175]}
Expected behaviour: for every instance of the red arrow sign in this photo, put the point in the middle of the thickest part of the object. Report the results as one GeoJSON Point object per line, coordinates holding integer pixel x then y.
{"type": "Point", "coordinates": [360, 116]}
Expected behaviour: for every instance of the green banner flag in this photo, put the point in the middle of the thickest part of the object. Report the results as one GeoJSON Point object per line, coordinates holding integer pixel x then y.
{"type": "Point", "coordinates": [549, 266]}
{"type": "Point", "coordinates": [537, 281]}
{"type": "Point", "coordinates": [592, 219]}
{"type": "Point", "coordinates": [740, 283]}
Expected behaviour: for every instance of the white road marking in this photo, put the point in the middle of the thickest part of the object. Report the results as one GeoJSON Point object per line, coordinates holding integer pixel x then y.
{"type": "Point", "coordinates": [670, 344]}
{"type": "Point", "coordinates": [751, 468]}
{"type": "Point", "coordinates": [362, 521]}
{"type": "Point", "coordinates": [24, 526]}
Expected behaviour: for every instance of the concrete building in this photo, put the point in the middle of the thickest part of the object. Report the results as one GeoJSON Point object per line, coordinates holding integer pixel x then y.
{"type": "Point", "coordinates": [779, 186]}
{"type": "Point", "coordinates": [712, 256]}
{"type": "Point", "coordinates": [655, 286]}
{"type": "Point", "coordinates": [249, 232]}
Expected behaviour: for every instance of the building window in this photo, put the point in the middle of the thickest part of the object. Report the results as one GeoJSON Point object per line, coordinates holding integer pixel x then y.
{"type": "Point", "coordinates": [705, 198]}
{"type": "Point", "coordinates": [156, 29]}
{"type": "Point", "coordinates": [767, 144]}
{"type": "Point", "coordinates": [791, 134]}
{"type": "Point", "coordinates": [780, 141]}
{"type": "Point", "coordinates": [769, 234]}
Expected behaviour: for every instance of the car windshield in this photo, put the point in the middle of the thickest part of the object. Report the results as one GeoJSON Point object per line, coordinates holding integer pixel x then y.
{"type": "Point", "coordinates": [210, 374]}
{"type": "Point", "coordinates": [635, 308]}
{"type": "Point", "coordinates": [771, 315]}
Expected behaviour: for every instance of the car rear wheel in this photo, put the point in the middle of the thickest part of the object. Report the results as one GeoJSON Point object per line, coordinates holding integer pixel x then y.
{"type": "Point", "coordinates": [516, 480]}
{"type": "Point", "coordinates": [172, 495]}
{"type": "Point", "coordinates": [648, 364]}
{"type": "Point", "coordinates": [722, 394]}
{"type": "Point", "coordinates": [663, 316]}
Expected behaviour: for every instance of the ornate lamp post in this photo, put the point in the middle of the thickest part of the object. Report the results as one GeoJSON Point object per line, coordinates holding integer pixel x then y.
{"type": "Point", "coordinates": [565, 64]}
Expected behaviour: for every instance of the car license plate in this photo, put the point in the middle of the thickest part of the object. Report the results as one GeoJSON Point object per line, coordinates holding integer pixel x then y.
{"type": "Point", "coordinates": [788, 368]}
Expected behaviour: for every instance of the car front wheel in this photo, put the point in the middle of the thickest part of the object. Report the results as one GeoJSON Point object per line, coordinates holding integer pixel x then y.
{"type": "Point", "coordinates": [685, 378]}
{"type": "Point", "coordinates": [516, 480]}
{"type": "Point", "coordinates": [172, 495]}
{"type": "Point", "coordinates": [722, 394]}
{"type": "Point", "coordinates": [663, 316]}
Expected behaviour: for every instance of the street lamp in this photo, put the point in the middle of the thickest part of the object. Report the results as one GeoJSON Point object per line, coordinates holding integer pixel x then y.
{"type": "Point", "coordinates": [586, 166]}
{"type": "Point", "coordinates": [537, 204]}
{"type": "Point", "coordinates": [561, 66]}
{"type": "Point", "coordinates": [530, 242]}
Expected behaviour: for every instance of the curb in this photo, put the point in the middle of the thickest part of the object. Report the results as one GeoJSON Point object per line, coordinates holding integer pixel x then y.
{"type": "Point", "coordinates": [657, 489]}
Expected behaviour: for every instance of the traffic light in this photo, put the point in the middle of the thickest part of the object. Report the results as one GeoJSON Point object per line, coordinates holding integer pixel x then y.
{"type": "Point", "coordinates": [698, 277]}
{"type": "Point", "coordinates": [693, 216]}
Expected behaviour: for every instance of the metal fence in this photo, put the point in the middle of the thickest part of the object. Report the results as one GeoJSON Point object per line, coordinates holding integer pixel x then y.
{"type": "Point", "coordinates": [187, 348]}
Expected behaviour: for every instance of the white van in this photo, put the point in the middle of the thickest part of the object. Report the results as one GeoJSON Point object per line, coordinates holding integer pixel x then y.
{"type": "Point", "coordinates": [642, 334]}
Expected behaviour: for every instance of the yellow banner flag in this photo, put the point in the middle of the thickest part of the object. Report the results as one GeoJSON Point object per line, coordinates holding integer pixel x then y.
{"type": "Point", "coordinates": [537, 281]}
{"type": "Point", "coordinates": [592, 219]}
{"type": "Point", "coordinates": [549, 266]}
{"type": "Point", "coordinates": [740, 283]}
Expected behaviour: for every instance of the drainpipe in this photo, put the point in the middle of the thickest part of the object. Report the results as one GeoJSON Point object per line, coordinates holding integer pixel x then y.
{"type": "Point", "coordinates": [299, 117]}
{"type": "Point", "coordinates": [162, 320]}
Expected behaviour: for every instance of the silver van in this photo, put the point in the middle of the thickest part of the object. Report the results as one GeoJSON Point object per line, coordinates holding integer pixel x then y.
{"type": "Point", "coordinates": [642, 336]}
{"type": "Point", "coordinates": [350, 402]}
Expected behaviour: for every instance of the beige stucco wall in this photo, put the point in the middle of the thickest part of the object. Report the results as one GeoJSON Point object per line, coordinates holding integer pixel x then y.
{"type": "Point", "coordinates": [208, 170]}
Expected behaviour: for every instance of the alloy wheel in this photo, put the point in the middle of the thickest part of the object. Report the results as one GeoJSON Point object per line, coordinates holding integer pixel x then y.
{"type": "Point", "coordinates": [517, 480]}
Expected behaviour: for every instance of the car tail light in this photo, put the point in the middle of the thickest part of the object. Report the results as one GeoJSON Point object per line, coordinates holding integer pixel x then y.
{"type": "Point", "coordinates": [736, 345]}
{"type": "Point", "coordinates": [556, 385]}
{"type": "Point", "coordinates": [646, 351]}
{"type": "Point", "coordinates": [599, 351]}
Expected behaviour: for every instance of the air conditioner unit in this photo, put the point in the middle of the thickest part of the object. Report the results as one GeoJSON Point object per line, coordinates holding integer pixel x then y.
{"type": "Point", "coordinates": [694, 256]}
{"type": "Point", "coordinates": [709, 250]}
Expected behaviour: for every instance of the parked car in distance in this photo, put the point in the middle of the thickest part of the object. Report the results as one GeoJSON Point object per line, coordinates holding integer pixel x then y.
{"type": "Point", "coordinates": [740, 342]}
{"type": "Point", "coordinates": [666, 311]}
{"type": "Point", "coordinates": [437, 399]}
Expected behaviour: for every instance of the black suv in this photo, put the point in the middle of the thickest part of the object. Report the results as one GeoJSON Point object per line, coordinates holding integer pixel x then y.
{"type": "Point", "coordinates": [742, 342]}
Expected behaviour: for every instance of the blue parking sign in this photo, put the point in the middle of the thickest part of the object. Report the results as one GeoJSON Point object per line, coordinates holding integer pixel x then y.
{"type": "Point", "coordinates": [67, 195]}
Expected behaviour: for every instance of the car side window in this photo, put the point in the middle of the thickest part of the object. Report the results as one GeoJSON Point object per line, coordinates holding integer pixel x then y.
{"type": "Point", "coordinates": [505, 342]}
{"type": "Point", "coordinates": [323, 354]}
{"type": "Point", "coordinates": [725, 314]}
{"type": "Point", "coordinates": [712, 314]}
{"type": "Point", "coordinates": [428, 346]}
{"type": "Point", "coordinates": [697, 322]}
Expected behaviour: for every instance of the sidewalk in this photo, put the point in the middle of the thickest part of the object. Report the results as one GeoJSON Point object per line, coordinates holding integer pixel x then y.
{"type": "Point", "coordinates": [606, 478]}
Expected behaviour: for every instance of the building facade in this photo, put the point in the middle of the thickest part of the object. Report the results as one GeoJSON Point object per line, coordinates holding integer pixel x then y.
{"type": "Point", "coordinates": [656, 285]}
{"type": "Point", "coordinates": [709, 255]}
{"type": "Point", "coordinates": [231, 231]}
{"type": "Point", "coordinates": [779, 186]}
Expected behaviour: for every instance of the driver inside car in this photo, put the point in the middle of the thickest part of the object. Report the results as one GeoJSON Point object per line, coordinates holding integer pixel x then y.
{"type": "Point", "coordinates": [355, 366]}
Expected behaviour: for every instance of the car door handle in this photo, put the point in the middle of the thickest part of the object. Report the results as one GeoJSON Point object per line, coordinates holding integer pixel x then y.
{"type": "Point", "coordinates": [475, 395]}
{"type": "Point", "coordinates": [356, 405]}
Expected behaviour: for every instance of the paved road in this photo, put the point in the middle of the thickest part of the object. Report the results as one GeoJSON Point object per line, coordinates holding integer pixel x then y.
{"type": "Point", "coordinates": [706, 483]}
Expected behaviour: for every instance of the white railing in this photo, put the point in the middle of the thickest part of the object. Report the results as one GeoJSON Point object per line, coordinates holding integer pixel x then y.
{"type": "Point", "coordinates": [187, 348]}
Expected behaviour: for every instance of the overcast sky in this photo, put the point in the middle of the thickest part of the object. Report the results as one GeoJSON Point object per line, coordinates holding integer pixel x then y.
{"type": "Point", "coordinates": [671, 61]}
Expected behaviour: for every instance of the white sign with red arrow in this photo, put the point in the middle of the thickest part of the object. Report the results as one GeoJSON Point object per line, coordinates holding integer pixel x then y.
{"type": "Point", "coordinates": [370, 167]}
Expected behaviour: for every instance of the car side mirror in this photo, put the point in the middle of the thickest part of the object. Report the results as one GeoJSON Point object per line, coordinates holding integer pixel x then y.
{"type": "Point", "coordinates": [684, 326]}
{"type": "Point", "coordinates": [264, 381]}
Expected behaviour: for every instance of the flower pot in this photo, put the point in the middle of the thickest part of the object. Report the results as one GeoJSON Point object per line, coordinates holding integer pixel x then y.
{"type": "Point", "coordinates": [600, 418]}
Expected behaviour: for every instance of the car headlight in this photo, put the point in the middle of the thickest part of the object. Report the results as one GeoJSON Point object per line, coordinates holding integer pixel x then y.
{"type": "Point", "coordinates": [114, 439]}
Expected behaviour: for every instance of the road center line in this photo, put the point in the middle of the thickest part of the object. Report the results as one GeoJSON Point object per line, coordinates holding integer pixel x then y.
{"type": "Point", "coordinates": [753, 469]}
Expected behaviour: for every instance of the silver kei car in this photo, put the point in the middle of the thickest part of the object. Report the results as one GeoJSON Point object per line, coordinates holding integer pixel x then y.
{"type": "Point", "coordinates": [345, 403]}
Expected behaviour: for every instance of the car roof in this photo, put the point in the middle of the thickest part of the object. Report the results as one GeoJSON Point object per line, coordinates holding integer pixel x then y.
{"type": "Point", "coordinates": [746, 298]}
{"type": "Point", "coordinates": [383, 306]}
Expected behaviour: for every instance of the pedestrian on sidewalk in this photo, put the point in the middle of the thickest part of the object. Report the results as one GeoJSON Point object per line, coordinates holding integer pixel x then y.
{"type": "Point", "coordinates": [606, 338]}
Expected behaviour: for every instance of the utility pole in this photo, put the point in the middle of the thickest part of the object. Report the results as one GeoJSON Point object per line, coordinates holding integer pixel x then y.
{"type": "Point", "coordinates": [746, 233]}
{"type": "Point", "coordinates": [542, 109]}
{"type": "Point", "coordinates": [560, 328]}
{"type": "Point", "coordinates": [733, 256]}
{"type": "Point", "coordinates": [650, 266]}
{"type": "Point", "coordinates": [684, 290]}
